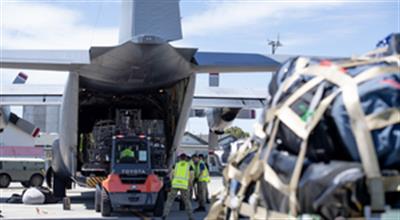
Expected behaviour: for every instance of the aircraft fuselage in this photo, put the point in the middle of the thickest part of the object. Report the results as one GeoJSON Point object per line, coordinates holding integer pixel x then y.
{"type": "Point", "coordinates": [155, 79]}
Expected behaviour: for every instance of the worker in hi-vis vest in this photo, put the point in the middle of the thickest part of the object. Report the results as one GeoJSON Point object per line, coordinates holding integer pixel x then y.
{"type": "Point", "coordinates": [203, 178]}
{"type": "Point", "coordinates": [201, 157]}
{"type": "Point", "coordinates": [182, 178]}
{"type": "Point", "coordinates": [127, 153]}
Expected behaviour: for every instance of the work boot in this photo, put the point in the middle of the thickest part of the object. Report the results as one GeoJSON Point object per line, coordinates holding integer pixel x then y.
{"type": "Point", "coordinates": [200, 209]}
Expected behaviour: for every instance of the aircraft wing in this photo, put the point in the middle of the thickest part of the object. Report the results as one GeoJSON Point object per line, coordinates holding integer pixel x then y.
{"type": "Point", "coordinates": [208, 97]}
{"type": "Point", "coordinates": [216, 97]}
{"type": "Point", "coordinates": [31, 94]}
{"type": "Point", "coordinates": [245, 99]}
{"type": "Point", "coordinates": [56, 60]}
{"type": "Point", "coordinates": [215, 62]}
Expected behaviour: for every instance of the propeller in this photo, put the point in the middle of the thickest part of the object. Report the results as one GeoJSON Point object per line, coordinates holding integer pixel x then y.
{"type": "Point", "coordinates": [24, 125]}
{"type": "Point", "coordinates": [6, 116]}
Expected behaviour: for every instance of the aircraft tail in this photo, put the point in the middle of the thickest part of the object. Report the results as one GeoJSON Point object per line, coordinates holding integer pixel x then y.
{"type": "Point", "coordinates": [150, 17]}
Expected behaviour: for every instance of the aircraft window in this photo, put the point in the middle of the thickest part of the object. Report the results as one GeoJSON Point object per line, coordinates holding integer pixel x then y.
{"type": "Point", "coordinates": [142, 156]}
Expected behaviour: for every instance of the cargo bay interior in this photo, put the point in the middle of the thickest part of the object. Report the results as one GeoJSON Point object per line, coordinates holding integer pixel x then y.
{"type": "Point", "coordinates": [105, 111]}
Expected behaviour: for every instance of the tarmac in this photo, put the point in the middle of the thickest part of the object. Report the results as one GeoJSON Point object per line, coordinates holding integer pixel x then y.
{"type": "Point", "coordinates": [82, 206]}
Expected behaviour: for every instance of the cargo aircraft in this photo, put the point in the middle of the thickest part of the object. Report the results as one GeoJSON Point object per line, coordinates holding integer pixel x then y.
{"type": "Point", "coordinates": [144, 71]}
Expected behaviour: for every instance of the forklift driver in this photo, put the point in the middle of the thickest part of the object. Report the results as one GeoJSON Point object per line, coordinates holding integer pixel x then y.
{"type": "Point", "coordinates": [127, 154]}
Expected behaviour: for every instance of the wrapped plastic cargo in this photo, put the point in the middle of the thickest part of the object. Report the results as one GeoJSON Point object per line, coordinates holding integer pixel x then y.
{"type": "Point", "coordinates": [328, 143]}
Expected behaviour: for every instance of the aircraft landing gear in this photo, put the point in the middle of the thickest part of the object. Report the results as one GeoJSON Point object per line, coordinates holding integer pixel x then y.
{"type": "Point", "coordinates": [59, 186]}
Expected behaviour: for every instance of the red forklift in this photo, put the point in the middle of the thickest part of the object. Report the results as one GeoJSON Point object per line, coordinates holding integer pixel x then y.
{"type": "Point", "coordinates": [136, 179]}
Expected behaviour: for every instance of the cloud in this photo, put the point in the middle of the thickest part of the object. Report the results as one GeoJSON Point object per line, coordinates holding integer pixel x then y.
{"type": "Point", "coordinates": [224, 16]}
{"type": "Point", "coordinates": [36, 25]}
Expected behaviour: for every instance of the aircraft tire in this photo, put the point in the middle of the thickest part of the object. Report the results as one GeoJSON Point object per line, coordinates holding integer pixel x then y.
{"type": "Point", "coordinates": [59, 187]}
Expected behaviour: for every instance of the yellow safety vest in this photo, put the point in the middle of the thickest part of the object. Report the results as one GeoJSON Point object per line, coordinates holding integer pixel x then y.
{"type": "Point", "coordinates": [127, 153]}
{"type": "Point", "coordinates": [204, 176]}
{"type": "Point", "coordinates": [191, 163]}
{"type": "Point", "coordinates": [181, 175]}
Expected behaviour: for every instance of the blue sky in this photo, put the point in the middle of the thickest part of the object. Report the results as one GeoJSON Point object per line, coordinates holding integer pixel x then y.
{"type": "Point", "coordinates": [333, 28]}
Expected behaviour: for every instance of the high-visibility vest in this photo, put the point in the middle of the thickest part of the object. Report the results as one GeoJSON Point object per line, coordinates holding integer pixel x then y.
{"type": "Point", "coordinates": [127, 153]}
{"type": "Point", "coordinates": [181, 175]}
{"type": "Point", "coordinates": [203, 176]}
{"type": "Point", "coordinates": [191, 163]}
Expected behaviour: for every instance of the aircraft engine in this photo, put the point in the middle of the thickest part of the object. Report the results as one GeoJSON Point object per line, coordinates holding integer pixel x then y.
{"type": "Point", "coordinates": [220, 118]}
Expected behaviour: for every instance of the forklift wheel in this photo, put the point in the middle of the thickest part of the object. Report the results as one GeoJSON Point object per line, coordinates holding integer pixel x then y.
{"type": "Point", "coordinates": [105, 203]}
{"type": "Point", "coordinates": [97, 199]}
